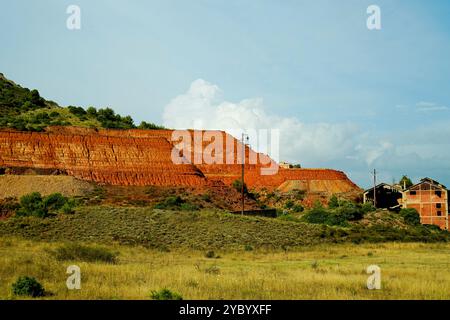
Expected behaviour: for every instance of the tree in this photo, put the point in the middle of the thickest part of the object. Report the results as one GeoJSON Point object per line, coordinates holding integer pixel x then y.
{"type": "Point", "coordinates": [333, 203]}
{"type": "Point", "coordinates": [405, 182]}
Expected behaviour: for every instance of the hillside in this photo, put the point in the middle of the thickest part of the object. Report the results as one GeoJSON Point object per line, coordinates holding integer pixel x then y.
{"type": "Point", "coordinates": [206, 229]}
{"type": "Point", "coordinates": [25, 110]}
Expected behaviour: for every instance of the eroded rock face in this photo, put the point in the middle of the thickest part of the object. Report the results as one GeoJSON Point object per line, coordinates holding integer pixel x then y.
{"type": "Point", "coordinates": [143, 157]}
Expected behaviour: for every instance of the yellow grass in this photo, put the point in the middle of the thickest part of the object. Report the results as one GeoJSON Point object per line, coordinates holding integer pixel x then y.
{"type": "Point", "coordinates": [409, 271]}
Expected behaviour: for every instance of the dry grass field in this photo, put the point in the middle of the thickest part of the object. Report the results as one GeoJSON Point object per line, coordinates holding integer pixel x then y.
{"type": "Point", "coordinates": [325, 271]}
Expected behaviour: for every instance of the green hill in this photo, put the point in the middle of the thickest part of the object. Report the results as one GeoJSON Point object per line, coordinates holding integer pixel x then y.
{"type": "Point", "coordinates": [24, 109]}
{"type": "Point", "coordinates": [207, 229]}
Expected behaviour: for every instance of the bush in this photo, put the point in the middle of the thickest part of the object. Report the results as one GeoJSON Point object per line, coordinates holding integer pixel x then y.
{"type": "Point", "coordinates": [165, 294]}
{"type": "Point", "coordinates": [298, 208]}
{"type": "Point", "coordinates": [320, 215]}
{"type": "Point", "coordinates": [350, 213]}
{"type": "Point", "coordinates": [28, 286]}
{"type": "Point", "coordinates": [32, 205]}
{"type": "Point", "coordinates": [149, 126]}
{"type": "Point", "coordinates": [237, 185]}
{"type": "Point", "coordinates": [170, 202]}
{"type": "Point", "coordinates": [176, 202]}
{"type": "Point", "coordinates": [68, 207]}
{"type": "Point", "coordinates": [210, 254]}
{"type": "Point", "coordinates": [76, 252]}
{"type": "Point", "coordinates": [411, 216]}
{"type": "Point", "coordinates": [333, 203]}
{"type": "Point", "coordinates": [289, 204]}
{"type": "Point", "coordinates": [55, 201]}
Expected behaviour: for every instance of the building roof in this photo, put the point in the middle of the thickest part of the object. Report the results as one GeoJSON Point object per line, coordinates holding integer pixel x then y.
{"type": "Point", "coordinates": [379, 186]}
{"type": "Point", "coordinates": [430, 181]}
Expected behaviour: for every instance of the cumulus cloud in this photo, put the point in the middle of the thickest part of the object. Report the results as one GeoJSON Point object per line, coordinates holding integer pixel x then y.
{"type": "Point", "coordinates": [203, 107]}
{"type": "Point", "coordinates": [343, 146]}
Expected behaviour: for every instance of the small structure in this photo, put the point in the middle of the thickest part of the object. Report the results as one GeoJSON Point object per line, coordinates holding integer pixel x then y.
{"type": "Point", "coordinates": [287, 165]}
{"type": "Point", "coordinates": [284, 165]}
{"type": "Point", "coordinates": [387, 196]}
{"type": "Point", "coordinates": [430, 199]}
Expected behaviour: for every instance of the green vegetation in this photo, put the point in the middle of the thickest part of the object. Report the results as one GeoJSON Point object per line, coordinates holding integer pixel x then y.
{"type": "Point", "coordinates": [26, 110]}
{"type": "Point", "coordinates": [205, 230]}
{"type": "Point", "coordinates": [27, 286]}
{"type": "Point", "coordinates": [237, 185]}
{"type": "Point", "coordinates": [405, 182]}
{"type": "Point", "coordinates": [176, 202]}
{"type": "Point", "coordinates": [165, 294]}
{"type": "Point", "coordinates": [411, 216]}
{"type": "Point", "coordinates": [338, 213]}
{"type": "Point", "coordinates": [77, 252]}
{"type": "Point", "coordinates": [34, 204]}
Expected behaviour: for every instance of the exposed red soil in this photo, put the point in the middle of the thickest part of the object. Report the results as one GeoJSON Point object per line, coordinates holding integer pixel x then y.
{"type": "Point", "coordinates": [142, 158]}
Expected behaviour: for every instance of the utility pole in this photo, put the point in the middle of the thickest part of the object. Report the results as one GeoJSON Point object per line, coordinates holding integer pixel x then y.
{"type": "Point", "coordinates": [243, 166]}
{"type": "Point", "coordinates": [375, 188]}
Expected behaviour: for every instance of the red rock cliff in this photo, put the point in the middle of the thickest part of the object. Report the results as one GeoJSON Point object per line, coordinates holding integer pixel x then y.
{"type": "Point", "coordinates": [142, 157]}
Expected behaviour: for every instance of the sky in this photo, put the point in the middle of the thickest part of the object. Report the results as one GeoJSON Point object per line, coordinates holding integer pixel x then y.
{"type": "Point", "coordinates": [341, 95]}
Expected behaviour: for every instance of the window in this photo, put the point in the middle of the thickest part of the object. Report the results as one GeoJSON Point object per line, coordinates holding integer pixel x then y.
{"type": "Point", "coordinates": [413, 193]}
{"type": "Point", "coordinates": [439, 213]}
{"type": "Point", "coordinates": [438, 193]}
{"type": "Point", "coordinates": [438, 205]}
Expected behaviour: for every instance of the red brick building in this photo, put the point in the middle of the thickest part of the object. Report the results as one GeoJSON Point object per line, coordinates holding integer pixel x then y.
{"type": "Point", "coordinates": [430, 199]}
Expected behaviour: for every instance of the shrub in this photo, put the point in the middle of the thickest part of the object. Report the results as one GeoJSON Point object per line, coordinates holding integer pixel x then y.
{"type": "Point", "coordinates": [333, 203]}
{"type": "Point", "coordinates": [176, 202]}
{"type": "Point", "coordinates": [320, 215]}
{"type": "Point", "coordinates": [289, 204]}
{"type": "Point", "coordinates": [350, 213]}
{"type": "Point", "coordinates": [367, 207]}
{"type": "Point", "coordinates": [248, 247]}
{"type": "Point", "coordinates": [237, 185]}
{"type": "Point", "coordinates": [170, 202]}
{"type": "Point", "coordinates": [27, 286]}
{"type": "Point", "coordinates": [79, 252]}
{"type": "Point", "coordinates": [210, 254]}
{"type": "Point", "coordinates": [165, 294]}
{"type": "Point", "coordinates": [68, 207]}
{"type": "Point", "coordinates": [411, 216]}
{"type": "Point", "coordinates": [32, 205]}
{"type": "Point", "coordinates": [55, 201]}
{"type": "Point", "coordinates": [149, 126]}
{"type": "Point", "coordinates": [298, 208]}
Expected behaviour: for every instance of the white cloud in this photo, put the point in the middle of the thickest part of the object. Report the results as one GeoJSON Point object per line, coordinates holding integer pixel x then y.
{"type": "Point", "coordinates": [203, 107]}
{"type": "Point", "coordinates": [342, 146]}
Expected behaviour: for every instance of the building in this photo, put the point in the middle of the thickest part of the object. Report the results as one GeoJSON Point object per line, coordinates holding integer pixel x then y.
{"type": "Point", "coordinates": [430, 199]}
{"type": "Point", "coordinates": [387, 196]}
{"type": "Point", "coordinates": [284, 165]}
{"type": "Point", "coordinates": [287, 165]}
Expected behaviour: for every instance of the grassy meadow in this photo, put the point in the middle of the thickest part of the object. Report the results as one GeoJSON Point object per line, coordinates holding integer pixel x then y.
{"type": "Point", "coordinates": [324, 271]}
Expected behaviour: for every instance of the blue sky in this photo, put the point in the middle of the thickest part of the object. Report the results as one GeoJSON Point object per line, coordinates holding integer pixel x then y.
{"type": "Point", "coordinates": [358, 98]}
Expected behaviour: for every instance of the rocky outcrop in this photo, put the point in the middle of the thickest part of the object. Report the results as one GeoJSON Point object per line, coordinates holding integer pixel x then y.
{"type": "Point", "coordinates": [143, 157]}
